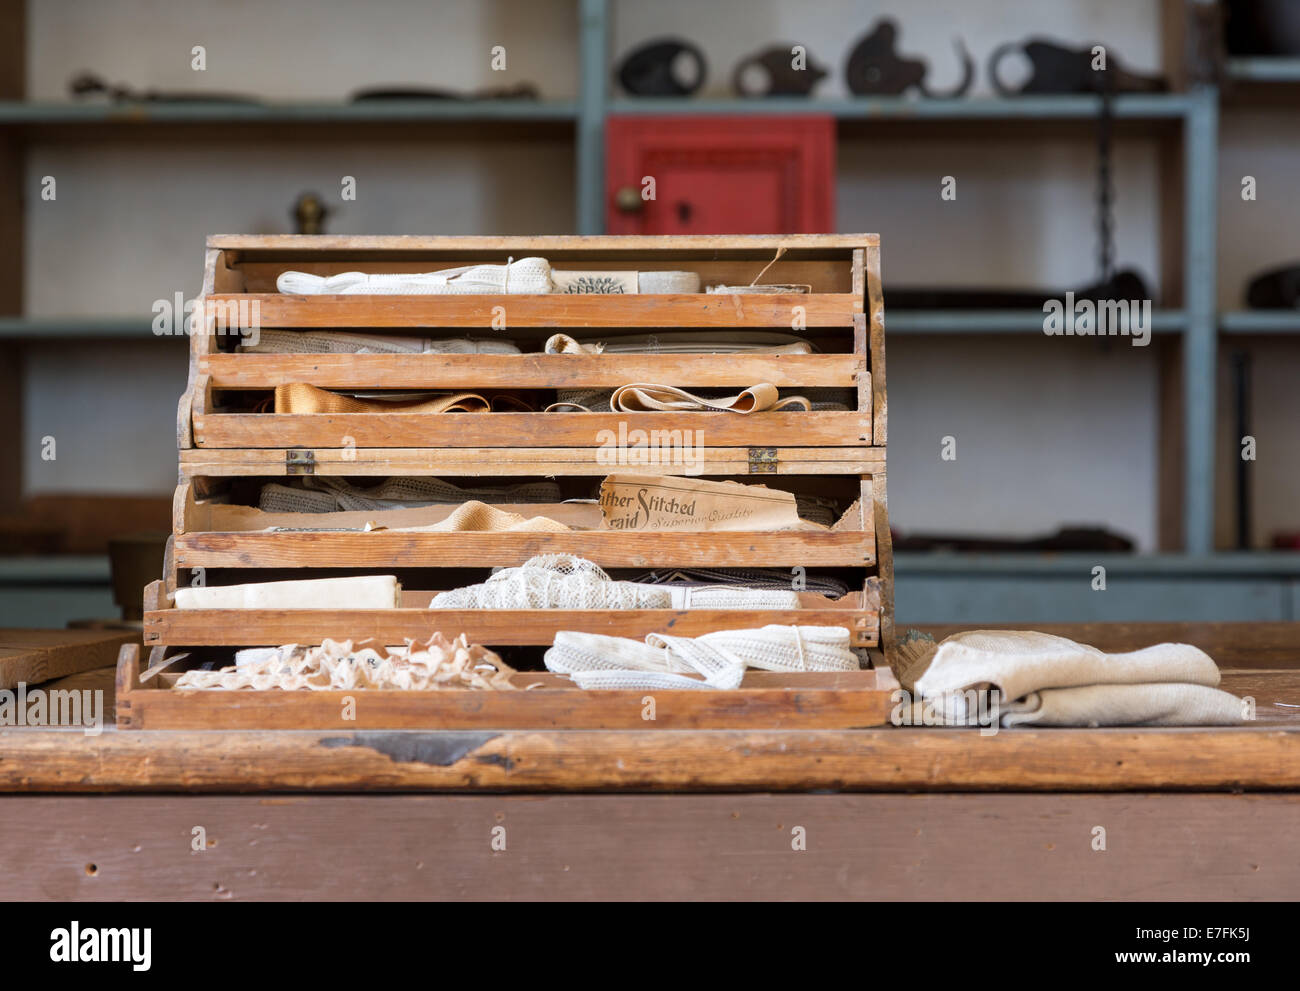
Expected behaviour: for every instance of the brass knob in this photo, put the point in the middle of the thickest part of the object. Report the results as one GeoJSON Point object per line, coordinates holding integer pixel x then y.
{"type": "Point", "coordinates": [628, 199]}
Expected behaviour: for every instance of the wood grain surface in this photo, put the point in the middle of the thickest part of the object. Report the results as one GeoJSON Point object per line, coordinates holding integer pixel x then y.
{"type": "Point", "coordinates": [649, 847]}
{"type": "Point", "coordinates": [479, 372]}
{"type": "Point", "coordinates": [818, 428]}
{"type": "Point", "coordinates": [238, 311]}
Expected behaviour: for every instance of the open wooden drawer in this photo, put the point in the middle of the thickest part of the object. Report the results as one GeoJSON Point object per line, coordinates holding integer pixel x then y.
{"type": "Point", "coordinates": [765, 700]}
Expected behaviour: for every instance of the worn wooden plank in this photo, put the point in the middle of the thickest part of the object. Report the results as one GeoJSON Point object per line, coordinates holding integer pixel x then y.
{"type": "Point", "coordinates": [648, 758]}
{"type": "Point", "coordinates": [34, 656]}
{"type": "Point", "coordinates": [874, 494]}
{"type": "Point", "coordinates": [503, 461]}
{"type": "Point", "coordinates": [815, 429]}
{"type": "Point", "coordinates": [630, 847]}
{"type": "Point", "coordinates": [733, 244]}
{"type": "Point", "coordinates": [876, 332]}
{"type": "Point", "coordinates": [528, 371]}
{"type": "Point", "coordinates": [824, 275]}
{"type": "Point", "coordinates": [653, 847]}
{"type": "Point", "coordinates": [499, 627]}
{"type": "Point", "coordinates": [237, 311]}
{"type": "Point", "coordinates": [608, 548]}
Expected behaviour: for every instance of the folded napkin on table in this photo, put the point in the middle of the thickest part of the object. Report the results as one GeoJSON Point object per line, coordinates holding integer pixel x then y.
{"type": "Point", "coordinates": [1047, 680]}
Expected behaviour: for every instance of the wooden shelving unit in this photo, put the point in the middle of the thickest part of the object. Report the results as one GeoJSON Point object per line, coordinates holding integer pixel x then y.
{"type": "Point", "coordinates": [1186, 121]}
{"type": "Point", "coordinates": [222, 439]}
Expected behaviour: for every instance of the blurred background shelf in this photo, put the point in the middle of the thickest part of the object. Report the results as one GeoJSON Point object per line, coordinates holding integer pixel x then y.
{"type": "Point", "coordinates": [1260, 322]}
{"type": "Point", "coordinates": [1159, 106]}
{"type": "Point", "coordinates": [997, 321]}
{"type": "Point", "coordinates": [15, 113]}
{"type": "Point", "coordinates": [1264, 69]}
{"type": "Point", "coordinates": [38, 329]}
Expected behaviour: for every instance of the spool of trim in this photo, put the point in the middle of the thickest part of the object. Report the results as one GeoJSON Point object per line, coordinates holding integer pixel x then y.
{"type": "Point", "coordinates": [668, 282]}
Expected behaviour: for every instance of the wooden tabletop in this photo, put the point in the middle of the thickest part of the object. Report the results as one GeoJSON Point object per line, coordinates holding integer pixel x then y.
{"type": "Point", "coordinates": [1258, 660]}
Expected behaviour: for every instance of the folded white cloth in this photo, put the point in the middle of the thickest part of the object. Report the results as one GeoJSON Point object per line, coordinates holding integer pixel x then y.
{"type": "Point", "coordinates": [366, 592]}
{"type": "Point", "coordinates": [1053, 681]}
{"type": "Point", "coordinates": [527, 275]}
{"type": "Point", "coordinates": [599, 662]}
{"type": "Point", "coordinates": [1168, 704]}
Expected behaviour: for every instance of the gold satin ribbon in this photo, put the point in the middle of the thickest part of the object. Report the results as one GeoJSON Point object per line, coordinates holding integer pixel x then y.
{"type": "Point", "coordinates": [299, 397]}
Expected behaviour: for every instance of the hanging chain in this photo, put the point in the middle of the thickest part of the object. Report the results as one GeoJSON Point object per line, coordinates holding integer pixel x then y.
{"type": "Point", "coordinates": [1105, 192]}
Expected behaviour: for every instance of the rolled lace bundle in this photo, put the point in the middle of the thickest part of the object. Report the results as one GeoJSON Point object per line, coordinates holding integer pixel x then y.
{"type": "Point", "coordinates": [565, 581]}
{"type": "Point", "coordinates": [601, 662]}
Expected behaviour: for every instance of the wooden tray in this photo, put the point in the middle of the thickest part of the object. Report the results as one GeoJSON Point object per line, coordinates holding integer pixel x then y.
{"type": "Point", "coordinates": [166, 625]}
{"type": "Point", "coordinates": [226, 449]}
{"type": "Point", "coordinates": [766, 700]}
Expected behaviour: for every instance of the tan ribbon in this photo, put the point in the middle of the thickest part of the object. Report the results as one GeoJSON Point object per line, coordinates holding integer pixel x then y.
{"type": "Point", "coordinates": [299, 397]}
{"type": "Point", "coordinates": [642, 397]}
{"type": "Point", "coordinates": [480, 516]}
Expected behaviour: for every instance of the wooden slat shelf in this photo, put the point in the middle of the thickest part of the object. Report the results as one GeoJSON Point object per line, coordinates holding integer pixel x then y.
{"type": "Point", "coordinates": [225, 448]}
{"type": "Point", "coordinates": [271, 627]}
{"type": "Point", "coordinates": [448, 430]}
{"type": "Point", "coordinates": [839, 700]}
{"type": "Point", "coordinates": [242, 310]}
{"type": "Point", "coordinates": [608, 548]}
{"type": "Point", "coordinates": [527, 371]}
{"type": "Point", "coordinates": [271, 461]}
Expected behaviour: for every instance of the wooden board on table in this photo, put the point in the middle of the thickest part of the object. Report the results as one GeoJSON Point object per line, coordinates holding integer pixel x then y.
{"type": "Point", "coordinates": [33, 656]}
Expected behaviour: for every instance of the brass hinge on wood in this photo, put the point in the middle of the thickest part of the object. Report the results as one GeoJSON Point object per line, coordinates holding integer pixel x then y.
{"type": "Point", "coordinates": [762, 460]}
{"type": "Point", "coordinates": [299, 462]}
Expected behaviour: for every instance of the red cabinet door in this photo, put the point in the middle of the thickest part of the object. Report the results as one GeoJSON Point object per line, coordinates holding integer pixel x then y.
{"type": "Point", "coordinates": [720, 175]}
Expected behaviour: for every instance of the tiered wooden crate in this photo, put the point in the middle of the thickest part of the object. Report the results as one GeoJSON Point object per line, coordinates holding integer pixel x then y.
{"type": "Point", "coordinates": [221, 441]}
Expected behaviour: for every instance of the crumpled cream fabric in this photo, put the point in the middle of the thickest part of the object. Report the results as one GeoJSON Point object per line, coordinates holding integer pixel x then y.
{"type": "Point", "coordinates": [527, 275]}
{"type": "Point", "coordinates": [1053, 681]}
{"type": "Point", "coordinates": [599, 662]}
{"type": "Point", "coordinates": [566, 581]}
{"type": "Point", "coordinates": [480, 516]}
{"type": "Point", "coordinates": [435, 664]}
{"type": "Point", "coordinates": [343, 342]}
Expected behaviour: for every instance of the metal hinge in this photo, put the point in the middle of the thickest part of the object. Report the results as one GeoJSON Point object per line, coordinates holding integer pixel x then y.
{"type": "Point", "coordinates": [299, 462]}
{"type": "Point", "coordinates": [762, 460]}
